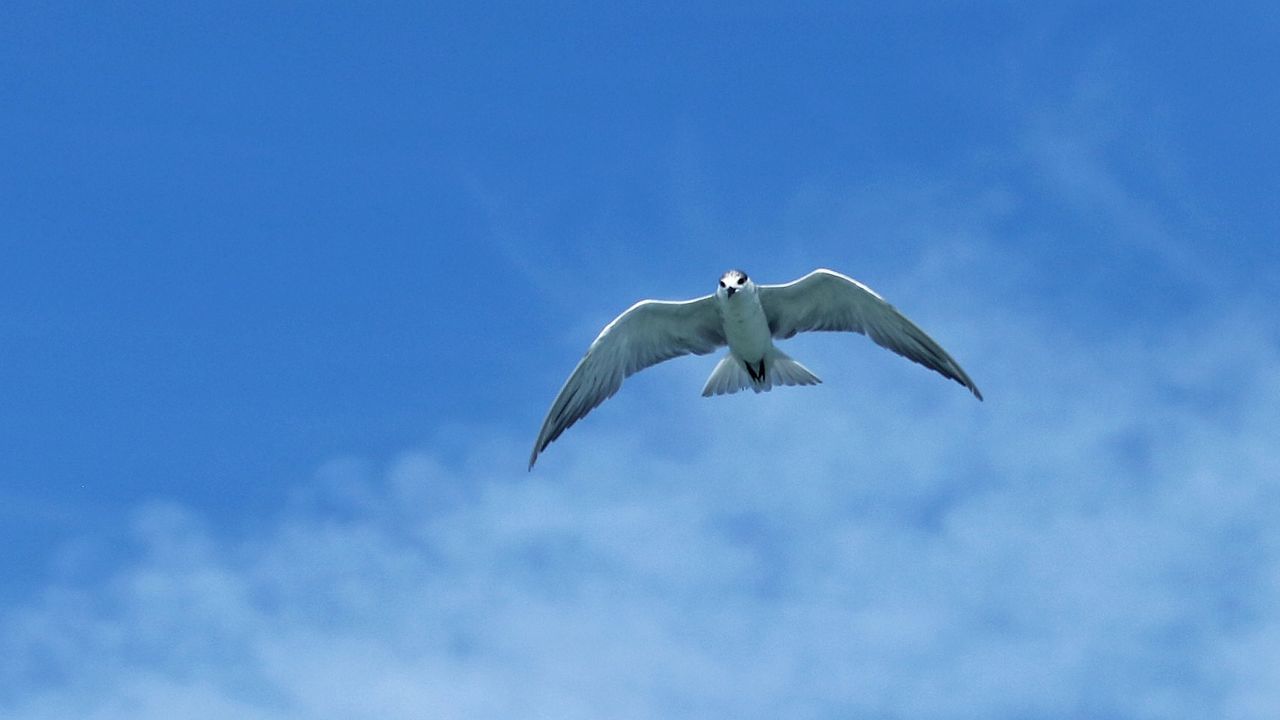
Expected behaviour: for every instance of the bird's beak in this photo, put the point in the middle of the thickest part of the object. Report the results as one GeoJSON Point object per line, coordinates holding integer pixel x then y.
{"type": "Point", "coordinates": [730, 291]}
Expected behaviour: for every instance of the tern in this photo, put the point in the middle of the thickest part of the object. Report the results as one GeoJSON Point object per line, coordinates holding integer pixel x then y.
{"type": "Point", "coordinates": [748, 318]}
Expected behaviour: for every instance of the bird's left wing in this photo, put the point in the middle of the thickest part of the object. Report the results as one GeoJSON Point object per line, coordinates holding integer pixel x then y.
{"type": "Point", "coordinates": [648, 333]}
{"type": "Point", "coordinates": [827, 300]}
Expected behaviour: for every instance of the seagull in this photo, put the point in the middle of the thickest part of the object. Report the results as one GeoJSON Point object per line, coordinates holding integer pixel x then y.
{"type": "Point", "coordinates": [748, 318]}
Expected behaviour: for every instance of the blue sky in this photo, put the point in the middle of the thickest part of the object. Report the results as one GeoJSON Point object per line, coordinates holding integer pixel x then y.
{"type": "Point", "coordinates": [286, 291]}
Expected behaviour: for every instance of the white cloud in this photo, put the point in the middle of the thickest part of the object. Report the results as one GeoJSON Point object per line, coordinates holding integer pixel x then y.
{"type": "Point", "coordinates": [1095, 540]}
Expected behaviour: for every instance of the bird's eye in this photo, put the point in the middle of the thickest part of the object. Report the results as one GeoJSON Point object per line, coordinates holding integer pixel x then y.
{"type": "Point", "coordinates": [721, 283]}
{"type": "Point", "coordinates": [741, 280]}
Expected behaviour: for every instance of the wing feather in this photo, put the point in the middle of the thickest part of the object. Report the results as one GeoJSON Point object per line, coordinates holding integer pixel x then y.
{"type": "Point", "coordinates": [825, 300]}
{"type": "Point", "coordinates": [649, 332]}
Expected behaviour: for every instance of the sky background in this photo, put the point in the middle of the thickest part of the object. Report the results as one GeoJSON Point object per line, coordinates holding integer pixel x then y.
{"type": "Point", "coordinates": [286, 289]}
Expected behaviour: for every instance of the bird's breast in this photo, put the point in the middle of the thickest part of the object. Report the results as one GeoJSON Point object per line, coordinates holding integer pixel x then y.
{"type": "Point", "coordinates": [745, 327]}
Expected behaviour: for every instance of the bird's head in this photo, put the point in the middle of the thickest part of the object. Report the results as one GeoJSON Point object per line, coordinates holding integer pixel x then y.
{"type": "Point", "coordinates": [733, 281]}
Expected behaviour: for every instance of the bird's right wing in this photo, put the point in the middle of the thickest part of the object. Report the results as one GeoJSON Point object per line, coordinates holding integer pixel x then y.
{"type": "Point", "coordinates": [826, 300]}
{"type": "Point", "coordinates": [648, 333]}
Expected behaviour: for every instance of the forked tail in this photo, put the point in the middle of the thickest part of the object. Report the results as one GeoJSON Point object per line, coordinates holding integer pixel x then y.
{"type": "Point", "coordinates": [776, 368]}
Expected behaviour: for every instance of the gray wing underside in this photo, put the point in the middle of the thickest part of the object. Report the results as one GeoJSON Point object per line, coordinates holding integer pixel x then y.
{"type": "Point", "coordinates": [648, 333]}
{"type": "Point", "coordinates": [825, 300]}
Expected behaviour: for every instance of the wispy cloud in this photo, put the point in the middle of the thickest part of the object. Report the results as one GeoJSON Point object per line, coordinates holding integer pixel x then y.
{"type": "Point", "coordinates": [1096, 540]}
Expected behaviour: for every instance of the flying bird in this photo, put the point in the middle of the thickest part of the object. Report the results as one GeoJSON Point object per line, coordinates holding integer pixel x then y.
{"type": "Point", "coordinates": [748, 318]}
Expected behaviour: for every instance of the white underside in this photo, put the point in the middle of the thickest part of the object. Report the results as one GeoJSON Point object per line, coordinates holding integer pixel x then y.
{"type": "Point", "coordinates": [750, 343]}
{"type": "Point", "coordinates": [745, 326]}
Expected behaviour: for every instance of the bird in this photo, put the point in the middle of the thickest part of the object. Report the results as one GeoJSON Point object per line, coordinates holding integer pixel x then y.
{"type": "Point", "coordinates": [747, 318]}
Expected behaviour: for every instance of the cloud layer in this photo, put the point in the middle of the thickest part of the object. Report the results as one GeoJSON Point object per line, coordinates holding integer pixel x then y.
{"type": "Point", "coordinates": [1097, 540]}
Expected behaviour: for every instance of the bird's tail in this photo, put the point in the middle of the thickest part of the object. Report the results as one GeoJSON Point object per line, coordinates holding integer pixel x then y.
{"type": "Point", "coordinates": [732, 375]}
{"type": "Point", "coordinates": [782, 370]}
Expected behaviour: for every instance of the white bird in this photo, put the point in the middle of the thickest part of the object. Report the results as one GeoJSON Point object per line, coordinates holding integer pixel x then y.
{"type": "Point", "coordinates": [746, 317]}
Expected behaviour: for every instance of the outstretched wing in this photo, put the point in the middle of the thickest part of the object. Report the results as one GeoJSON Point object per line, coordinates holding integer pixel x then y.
{"type": "Point", "coordinates": [648, 333]}
{"type": "Point", "coordinates": [826, 300]}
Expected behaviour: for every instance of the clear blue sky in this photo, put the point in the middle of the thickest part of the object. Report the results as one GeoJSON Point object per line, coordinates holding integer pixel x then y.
{"type": "Point", "coordinates": [285, 290]}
